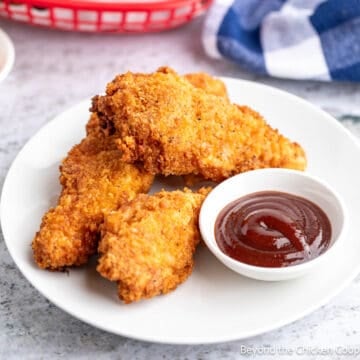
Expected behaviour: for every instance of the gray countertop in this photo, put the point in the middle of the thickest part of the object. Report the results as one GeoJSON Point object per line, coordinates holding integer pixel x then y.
{"type": "Point", "coordinates": [54, 70]}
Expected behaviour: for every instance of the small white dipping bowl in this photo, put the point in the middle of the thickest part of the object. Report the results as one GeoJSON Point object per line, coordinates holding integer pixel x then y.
{"type": "Point", "coordinates": [283, 180]}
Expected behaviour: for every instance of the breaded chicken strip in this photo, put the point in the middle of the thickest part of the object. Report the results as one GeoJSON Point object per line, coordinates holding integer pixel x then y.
{"type": "Point", "coordinates": [174, 128]}
{"type": "Point", "coordinates": [147, 246]}
{"type": "Point", "coordinates": [94, 181]}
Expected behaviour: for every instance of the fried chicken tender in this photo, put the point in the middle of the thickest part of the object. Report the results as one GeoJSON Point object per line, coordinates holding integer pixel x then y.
{"type": "Point", "coordinates": [147, 246]}
{"type": "Point", "coordinates": [173, 128]}
{"type": "Point", "coordinates": [94, 181]}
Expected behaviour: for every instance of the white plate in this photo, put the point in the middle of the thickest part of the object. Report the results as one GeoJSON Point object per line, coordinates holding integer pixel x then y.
{"type": "Point", "coordinates": [215, 304]}
{"type": "Point", "coordinates": [7, 55]}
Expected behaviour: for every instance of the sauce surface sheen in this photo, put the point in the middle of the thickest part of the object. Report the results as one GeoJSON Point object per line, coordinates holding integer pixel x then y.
{"type": "Point", "coordinates": [272, 229]}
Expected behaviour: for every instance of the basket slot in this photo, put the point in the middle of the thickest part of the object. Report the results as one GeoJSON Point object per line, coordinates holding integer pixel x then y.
{"type": "Point", "coordinates": [39, 15]}
{"type": "Point", "coordinates": [16, 7]}
{"type": "Point", "coordinates": [111, 17]}
{"type": "Point", "coordinates": [20, 12]}
{"type": "Point", "coordinates": [21, 16]}
{"type": "Point", "coordinates": [62, 14]}
{"type": "Point", "coordinates": [17, 11]}
{"type": "Point", "coordinates": [39, 12]}
{"type": "Point", "coordinates": [41, 21]}
{"type": "Point", "coordinates": [63, 18]}
{"type": "Point", "coordinates": [87, 16]}
{"type": "Point", "coordinates": [87, 26]}
{"type": "Point", "coordinates": [88, 20]}
{"type": "Point", "coordinates": [183, 11]}
{"type": "Point", "coordinates": [161, 15]}
{"type": "Point", "coordinates": [110, 20]}
{"type": "Point", "coordinates": [133, 27]}
{"type": "Point", "coordinates": [64, 25]}
{"type": "Point", "coordinates": [136, 17]}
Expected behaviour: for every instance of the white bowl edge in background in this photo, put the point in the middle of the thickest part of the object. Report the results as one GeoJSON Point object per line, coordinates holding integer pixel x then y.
{"type": "Point", "coordinates": [7, 55]}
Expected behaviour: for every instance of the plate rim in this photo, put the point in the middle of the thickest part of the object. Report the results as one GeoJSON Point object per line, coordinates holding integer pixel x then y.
{"type": "Point", "coordinates": [200, 339]}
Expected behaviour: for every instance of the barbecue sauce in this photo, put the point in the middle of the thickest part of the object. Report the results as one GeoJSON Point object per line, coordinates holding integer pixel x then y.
{"type": "Point", "coordinates": [272, 229]}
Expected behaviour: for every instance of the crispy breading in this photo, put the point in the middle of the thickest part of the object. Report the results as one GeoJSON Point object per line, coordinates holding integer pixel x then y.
{"type": "Point", "coordinates": [147, 246]}
{"type": "Point", "coordinates": [174, 128]}
{"type": "Point", "coordinates": [213, 86]}
{"type": "Point", "coordinates": [94, 181]}
{"type": "Point", "coordinates": [208, 83]}
{"type": "Point", "coordinates": [201, 80]}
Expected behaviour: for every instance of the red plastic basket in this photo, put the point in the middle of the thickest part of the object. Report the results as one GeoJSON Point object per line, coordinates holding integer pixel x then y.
{"type": "Point", "coordinates": [99, 16]}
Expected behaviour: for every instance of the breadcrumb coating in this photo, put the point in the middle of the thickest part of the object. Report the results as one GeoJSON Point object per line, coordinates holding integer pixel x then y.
{"type": "Point", "coordinates": [94, 181]}
{"type": "Point", "coordinates": [208, 83]}
{"type": "Point", "coordinates": [173, 128]}
{"type": "Point", "coordinates": [147, 246]}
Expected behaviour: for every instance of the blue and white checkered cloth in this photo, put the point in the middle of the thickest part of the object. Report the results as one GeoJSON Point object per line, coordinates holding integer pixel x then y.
{"type": "Point", "coordinates": [299, 39]}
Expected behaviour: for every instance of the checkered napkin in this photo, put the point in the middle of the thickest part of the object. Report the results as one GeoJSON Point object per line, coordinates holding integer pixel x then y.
{"type": "Point", "coordinates": [299, 39]}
